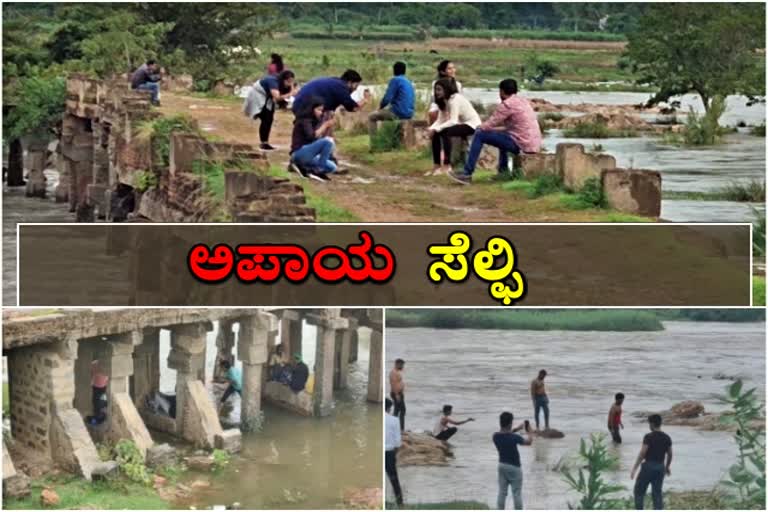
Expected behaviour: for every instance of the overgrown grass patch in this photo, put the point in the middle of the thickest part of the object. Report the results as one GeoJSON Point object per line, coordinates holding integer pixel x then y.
{"type": "Point", "coordinates": [159, 132]}
{"type": "Point", "coordinates": [752, 191]}
{"type": "Point", "coordinates": [758, 290]}
{"type": "Point", "coordinates": [596, 130]}
{"type": "Point", "coordinates": [386, 138]}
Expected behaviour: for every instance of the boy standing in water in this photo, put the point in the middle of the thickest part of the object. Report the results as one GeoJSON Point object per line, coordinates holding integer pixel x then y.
{"type": "Point", "coordinates": [540, 399]}
{"type": "Point", "coordinates": [510, 473]}
{"type": "Point", "coordinates": [397, 391]}
{"type": "Point", "coordinates": [614, 418]}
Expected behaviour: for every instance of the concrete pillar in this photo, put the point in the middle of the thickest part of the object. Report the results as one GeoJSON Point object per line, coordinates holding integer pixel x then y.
{"type": "Point", "coordinates": [343, 350]}
{"type": "Point", "coordinates": [376, 357]}
{"type": "Point", "coordinates": [35, 165]}
{"type": "Point", "coordinates": [62, 167]}
{"type": "Point", "coordinates": [291, 332]}
{"type": "Point", "coordinates": [146, 367]}
{"type": "Point", "coordinates": [257, 332]}
{"type": "Point", "coordinates": [97, 189]}
{"type": "Point", "coordinates": [196, 418]}
{"type": "Point", "coordinates": [328, 322]}
{"type": "Point", "coordinates": [225, 343]}
{"type": "Point", "coordinates": [77, 148]}
{"type": "Point", "coordinates": [353, 342]}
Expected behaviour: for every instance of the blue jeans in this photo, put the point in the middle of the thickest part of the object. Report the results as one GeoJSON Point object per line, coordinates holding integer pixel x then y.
{"type": "Point", "coordinates": [316, 155]}
{"type": "Point", "coordinates": [650, 473]}
{"type": "Point", "coordinates": [153, 87]}
{"type": "Point", "coordinates": [497, 139]}
{"type": "Point", "coordinates": [541, 402]}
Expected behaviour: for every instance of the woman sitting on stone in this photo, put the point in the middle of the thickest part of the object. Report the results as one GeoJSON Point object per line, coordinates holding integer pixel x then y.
{"type": "Point", "coordinates": [456, 118]}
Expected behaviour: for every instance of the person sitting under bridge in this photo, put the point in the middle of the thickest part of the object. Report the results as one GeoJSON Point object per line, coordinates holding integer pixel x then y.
{"type": "Point", "coordinates": [442, 430]}
{"type": "Point", "coordinates": [299, 375]}
{"type": "Point", "coordinates": [147, 78]}
{"type": "Point", "coordinates": [279, 370]}
{"type": "Point", "coordinates": [513, 128]}
{"type": "Point", "coordinates": [99, 382]}
{"type": "Point", "coordinates": [235, 378]}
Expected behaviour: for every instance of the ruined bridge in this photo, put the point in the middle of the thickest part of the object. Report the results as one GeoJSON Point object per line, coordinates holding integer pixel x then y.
{"type": "Point", "coordinates": [49, 355]}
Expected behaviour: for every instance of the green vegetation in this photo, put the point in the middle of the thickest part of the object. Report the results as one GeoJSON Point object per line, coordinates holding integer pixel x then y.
{"type": "Point", "coordinates": [752, 191]}
{"type": "Point", "coordinates": [595, 493]}
{"type": "Point", "coordinates": [712, 315]}
{"type": "Point", "coordinates": [590, 195]}
{"type": "Point", "coordinates": [596, 130]}
{"type": "Point", "coordinates": [757, 131]}
{"type": "Point", "coordinates": [76, 493]}
{"type": "Point", "coordinates": [386, 138]}
{"type": "Point", "coordinates": [448, 505]}
{"type": "Point", "coordinates": [746, 478]}
{"type": "Point", "coordinates": [758, 290]}
{"type": "Point", "coordinates": [6, 399]}
{"type": "Point", "coordinates": [691, 60]}
{"type": "Point", "coordinates": [758, 233]}
{"type": "Point", "coordinates": [38, 104]}
{"type": "Point", "coordinates": [221, 459]}
{"type": "Point", "coordinates": [131, 462]}
{"type": "Point", "coordinates": [159, 133]}
{"type": "Point", "coordinates": [144, 180]}
{"type": "Point", "coordinates": [212, 173]}
{"type": "Point", "coordinates": [535, 320]}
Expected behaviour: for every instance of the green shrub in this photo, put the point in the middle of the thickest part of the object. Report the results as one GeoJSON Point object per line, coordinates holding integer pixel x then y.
{"type": "Point", "coordinates": [387, 137]}
{"type": "Point", "coordinates": [38, 106]}
{"type": "Point", "coordinates": [145, 180]}
{"type": "Point", "coordinates": [596, 130]}
{"type": "Point", "coordinates": [546, 184]}
{"type": "Point", "coordinates": [705, 130]}
{"type": "Point", "coordinates": [131, 462]}
{"type": "Point", "coordinates": [758, 233]}
{"type": "Point", "coordinates": [588, 482]}
{"type": "Point", "coordinates": [752, 191]}
{"type": "Point", "coordinates": [590, 195]}
{"type": "Point", "coordinates": [221, 459]}
{"type": "Point", "coordinates": [758, 131]}
{"type": "Point", "coordinates": [212, 173]}
{"type": "Point", "coordinates": [159, 132]}
{"type": "Point", "coordinates": [746, 478]}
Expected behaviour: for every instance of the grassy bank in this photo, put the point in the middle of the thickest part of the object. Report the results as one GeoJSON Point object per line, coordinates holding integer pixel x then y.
{"type": "Point", "coordinates": [758, 290]}
{"type": "Point", "coordinates": [76, 493]}
{"type": "Point", "coordinates": [544, 320]}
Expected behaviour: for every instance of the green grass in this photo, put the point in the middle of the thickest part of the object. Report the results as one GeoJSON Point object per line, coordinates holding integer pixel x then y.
{"type": "Point", "coordinates": [758, 290]}
{"type": "Point", "coordinates": [76, 493]}
{"type": "Point", "coordinates": [448, 505]}
{"type": "Point", "coordinates": [596, 130]}
{"type": "Point", "coordinates": [586, 320]}
{"type": "Point", "coordinates": [6, 399]}
{"type": "Point", "coordinates": [757, 131]}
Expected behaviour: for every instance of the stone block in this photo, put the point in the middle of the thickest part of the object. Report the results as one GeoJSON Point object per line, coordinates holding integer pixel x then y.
{"type": "Point", "coordinates": [161, 455]}
{"type": "Point", "coordinates": [531, 166]}
{"type": "Point", "coordinates": [200, 423]}
{"type": "Point", "coordinates": [576, 166]}
{"type": "Point", "coordinates": [230, 440]}
{"type": "Point", "coordinates": [125, 422]}
{"type": "Point", "coordinates": [633, 191]}
{"type": "Point", "coordinates": [185, 149]}
{"type": "Point", "coordinates": [283, 396]}
{"type": "Point", "coordinates": [71, 444]}
{"type": "Point", "coordinates": [106, 471]}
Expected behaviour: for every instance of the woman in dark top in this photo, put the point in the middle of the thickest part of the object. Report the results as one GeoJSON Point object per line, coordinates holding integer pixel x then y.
{"type": "Point", "coordinates": [311, 149]}
{"type": "Point", "coordinates": [261, 101]}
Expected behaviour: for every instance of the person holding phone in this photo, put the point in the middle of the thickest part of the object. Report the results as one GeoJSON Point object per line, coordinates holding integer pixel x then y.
{"type": "Point", "coordinates": [510, 473]}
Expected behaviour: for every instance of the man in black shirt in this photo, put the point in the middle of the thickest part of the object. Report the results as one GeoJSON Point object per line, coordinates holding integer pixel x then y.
{"type": "Point", "coordinates": [656, 458]}
{"type": "Point", "coordinates": [510, 474]}
{"type": "Point", "coordinates": [299, 375]}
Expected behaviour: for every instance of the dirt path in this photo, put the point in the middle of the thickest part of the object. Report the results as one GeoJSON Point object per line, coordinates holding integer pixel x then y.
{"type": "Point", "coordinates": [396, 191]}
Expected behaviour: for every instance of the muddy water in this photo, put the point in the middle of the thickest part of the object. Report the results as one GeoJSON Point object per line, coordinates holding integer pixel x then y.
{"type": "Point", "coordinates": [297, 462]}
{"type": "Point", "coordinates": [482, 373]}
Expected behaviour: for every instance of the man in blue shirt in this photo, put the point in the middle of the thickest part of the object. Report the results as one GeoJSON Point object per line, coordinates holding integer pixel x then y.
{"type": "Point", "coordinates": [510, 474]}
{"type": "Point", "coordinates": [335, 92]}
{"type": "Point", "coordinates": [400, 98]}
{"type": "Point", "coordinates": [235, 379]}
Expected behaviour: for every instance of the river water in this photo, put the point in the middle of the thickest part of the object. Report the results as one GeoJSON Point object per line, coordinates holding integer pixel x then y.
{"type": "Point", "coordinates": [483, 372]}
{"type": "Point", "coordinates": [297, 462]}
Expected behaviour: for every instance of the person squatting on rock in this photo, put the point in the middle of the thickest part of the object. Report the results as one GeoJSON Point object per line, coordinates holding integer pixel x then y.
{"type": "Point", "coordinates": [442, 429]}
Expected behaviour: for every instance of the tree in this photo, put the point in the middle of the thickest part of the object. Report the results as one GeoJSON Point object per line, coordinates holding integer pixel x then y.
{"type": "Point", "coordinates": [710, 51]}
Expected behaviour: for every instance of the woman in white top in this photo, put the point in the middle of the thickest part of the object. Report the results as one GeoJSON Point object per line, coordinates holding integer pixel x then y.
{"type": "Point", "coordinates": [446, 69]}
{"type": "Point", "coordinates": [456, 118]}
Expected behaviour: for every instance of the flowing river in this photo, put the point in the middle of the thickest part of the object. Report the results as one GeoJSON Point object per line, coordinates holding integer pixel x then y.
{"type": "Point", "coordinates": [297, 462]}
{"type": "Point", "coordinates": [484, 372]}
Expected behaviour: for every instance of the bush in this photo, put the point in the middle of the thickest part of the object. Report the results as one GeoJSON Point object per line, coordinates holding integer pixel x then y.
{"type": "Point", "coordinates": [746, 478]}
{"type": "Point", "coordinates": [752, 191]}
{"type": "Point", "coordinates": [221, 459]}
{"type": "Point", "coordinates": [387, 137]}
{"type": "Point", "coordinates": [546, 184]}
{"type": "Point", "coordinates": [159, 132]}
{"type": "Point", "coordinates": [131, 462]}
{"type": "Point", "coordinates": [758, 131]}
{"type": "Point", "coordinates": [596, 130]}
{"type": "Point", "coordinates": [38, 106]}
{"type": "Point", "coordinates": [705, 130]}
{"type": "Point", "coordinates": [145, 180]}
{"type": "Point", "coordinates": [590, 195]}
{"type": "Point", "coordinates": [596, 493]}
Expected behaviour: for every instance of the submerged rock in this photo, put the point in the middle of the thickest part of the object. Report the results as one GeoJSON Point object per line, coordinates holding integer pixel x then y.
{"type": "Point", "coordinates": [423, 450]}
{"type": "Point", "coordinates": [161, 455]}
{"type": "Point", "coordinates": [49, 498]}
{"type": "Point", "coordinates": [200, 462]}
{"type": "Point", "coordinates": [691, 413]}
{"type": "Point", "coordinates": [550, 433]}
{"type": "Point", "coordinates": [366, 498]}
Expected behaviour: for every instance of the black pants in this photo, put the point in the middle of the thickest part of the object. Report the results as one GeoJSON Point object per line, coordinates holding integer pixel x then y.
{"type": "Point", "coordinates": [99, 403]}
{"type": "Point", "coordinates": [267, 116]}
{"type": "Point", "coordinates": [446, 434]}
{"type": "Point", "coordinates": [442, 140]}
{"type": "Point", "coordinates": [651, 473]}
{"type": "Point", "coordinates": [231, 389]}
{"type": "Point", "coordinates": [399, 410]}
{"type": "Point", "coordinates": [616, 435]}
{"type": "Point", "coordinates": [390, 464]}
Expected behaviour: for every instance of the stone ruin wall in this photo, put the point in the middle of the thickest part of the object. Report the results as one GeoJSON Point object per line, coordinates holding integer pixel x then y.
{"type": "Point", "coordinates": [103, 160]}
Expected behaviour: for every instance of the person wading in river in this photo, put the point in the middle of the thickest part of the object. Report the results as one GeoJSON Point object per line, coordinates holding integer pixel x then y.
{"type": "Point", "coordinates": [614, 418]}
{"type": "Point", "coordinates": [442, 431]}
{"type": "Point", "coordinates": [235, 378]}
{"type": "Point", "coordinates": [656, 459]}
{"type": "Point", "coordinates": [392, 442]}
{"type": "Point", "coordinates": [510, 474]}
{"type": "Point", "coordinates": [397, 391]}
{"type": "Point", "coordinates": [540, 399]}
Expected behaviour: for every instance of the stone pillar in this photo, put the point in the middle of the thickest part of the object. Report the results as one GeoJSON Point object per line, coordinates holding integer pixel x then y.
{"type": "Point", "coordinates": [62, 167]}
{"type": "Point", "coordinates": [327, 324]}
{"type": "Point", "coordinates": [123, 419]}
{"type": "Point", "coordinates": [375, 357]}
{"type": "Point", "coordinates": [353, 343]}
{"type": "Point", "coordinates": [225, 342]}
{"type": "Point", "coordinates": [15, 177]}
{"type": "Point", "coordinates": [343, 350]}
{"type": "Point", "coordinates": [98, 188]}
{"type": "Point", "coordinates": [196, 418]}
{"type": "Point", "coordinates": [77, 149]}
{"type": "Point", "coordinates": [43, 417]}
{"type": "Point", "coordinates": [291, 332]}
{"type": "Point", "coordinates": [34, 164]}
{"type": "Point", "coordinates": [257, 332]}
{"type": "Point", "coordinates": [146, 367]}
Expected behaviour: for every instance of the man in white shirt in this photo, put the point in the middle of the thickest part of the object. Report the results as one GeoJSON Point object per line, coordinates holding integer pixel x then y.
{"type": "Point", "coordinates": [392, 442]}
